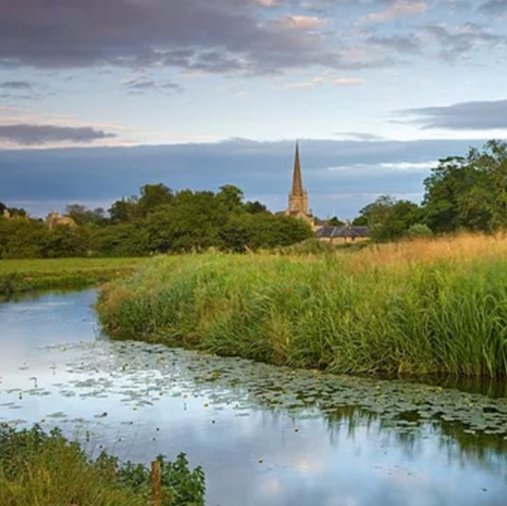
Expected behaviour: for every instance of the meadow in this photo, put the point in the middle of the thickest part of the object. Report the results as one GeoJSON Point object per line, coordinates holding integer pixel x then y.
{"type": "Point", "coordinates": [25, 275]}
{"type": "Point", "coordinates": [425, 306]}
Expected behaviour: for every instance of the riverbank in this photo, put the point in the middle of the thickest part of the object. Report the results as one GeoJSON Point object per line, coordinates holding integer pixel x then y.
{"type": "Point", "coordinates": [47, 470]}
{"type": "Point", "coordinates": [18, 276]}
{"type": "Point", "coordinates": [421, 307]}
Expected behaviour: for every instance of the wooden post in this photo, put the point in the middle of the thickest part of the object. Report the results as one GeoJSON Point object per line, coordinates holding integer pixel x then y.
{"type": "Point", "coordinates": [156, 483]}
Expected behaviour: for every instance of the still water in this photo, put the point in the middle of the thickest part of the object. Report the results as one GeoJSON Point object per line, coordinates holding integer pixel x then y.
{"type": "Point", "coordinates": [264, 435]}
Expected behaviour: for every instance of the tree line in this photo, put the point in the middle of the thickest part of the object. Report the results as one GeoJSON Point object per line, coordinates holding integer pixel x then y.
{"type": "Point", "coordinates": [155, 221]}
{"type": "Point", "coordinates": [461, 193]}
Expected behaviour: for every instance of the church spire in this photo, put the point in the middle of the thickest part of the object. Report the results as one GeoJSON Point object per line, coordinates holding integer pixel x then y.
{"type": "Point", "coordinates": [298, 198]}
{"type": "Point", "coordinates": [297, 179]}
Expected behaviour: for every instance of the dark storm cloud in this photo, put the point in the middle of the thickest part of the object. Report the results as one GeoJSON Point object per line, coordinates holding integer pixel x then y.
{"type": "Point", "coordinates": [341, 176]}
{"type": "Point", "coordinates": [26, 134]}
{"type": "Point", "coordinates": [463, 116]}
{"type": "Point", "coordinates": [218, 35]}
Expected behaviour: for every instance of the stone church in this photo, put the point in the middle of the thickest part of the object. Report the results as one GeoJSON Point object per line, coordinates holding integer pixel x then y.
{"type": "Point", "coordinates": [298, 197]}
{"type": "Point", "coordinates": [299, 208]}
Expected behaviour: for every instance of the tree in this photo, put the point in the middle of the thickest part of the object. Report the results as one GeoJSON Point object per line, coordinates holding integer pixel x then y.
{"type": "Point", "coordinates": [191, 221]}
{"type": "Point", "coordinates": [63, 241]}
{"type": "Point", "coordinates": [419, 230]}
{"type": "Point", "coordinates": [152, 197]}
{"type": "Point", "coordinates": [335, 222]}
{"type": "Point", "coordinates": [84, 216]}
{"type": "Point", "coordinates": [120, 240]}
{"type": "Point", "coordinates": [231, 198]}
{"type": "Point", "coordinates": [469, 192]}
{"type": "Point", "coordinates": [123, 210]}
{"type": "Point", "coordinates": [389, 218]}
{"type": "Point", "coordinates": [255, 207]}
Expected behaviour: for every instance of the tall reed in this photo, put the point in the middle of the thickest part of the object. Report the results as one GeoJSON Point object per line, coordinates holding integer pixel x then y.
{"type": "Point", "coordinates": [427, 306]}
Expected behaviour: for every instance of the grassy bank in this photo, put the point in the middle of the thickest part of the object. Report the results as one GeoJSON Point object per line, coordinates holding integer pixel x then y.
{"type": "Point", "coordinates": [420, 307]}
{"type": "Point", "coordinates": [18, 276]}
{"type": "Point", "coordinates": [47, 470]}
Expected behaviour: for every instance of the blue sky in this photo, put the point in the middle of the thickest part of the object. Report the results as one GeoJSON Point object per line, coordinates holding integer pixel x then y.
{"type": "Point", "coordinates": [99, 97]}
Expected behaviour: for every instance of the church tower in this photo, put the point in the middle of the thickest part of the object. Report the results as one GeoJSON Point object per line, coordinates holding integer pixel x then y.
{"type": "Point", "coordinates": [298, 197]}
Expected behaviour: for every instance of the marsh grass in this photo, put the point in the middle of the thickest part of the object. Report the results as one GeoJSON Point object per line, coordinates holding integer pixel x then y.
{"type": "Point", "coordinates": [47, 470]}
{"type": "Point", "coordinates": [17, 276]}
{"type": "Point", "coordinates": [426, 306]}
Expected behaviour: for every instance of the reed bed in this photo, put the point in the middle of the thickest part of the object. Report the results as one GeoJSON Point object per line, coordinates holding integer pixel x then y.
{"type": "Point", "coordinates": [434, 306]}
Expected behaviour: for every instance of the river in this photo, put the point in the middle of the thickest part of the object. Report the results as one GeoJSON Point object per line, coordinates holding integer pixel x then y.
{"type": "Point", "coordinates": [264, 435]}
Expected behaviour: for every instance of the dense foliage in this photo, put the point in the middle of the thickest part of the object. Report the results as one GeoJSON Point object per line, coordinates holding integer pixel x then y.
{"type": "Point", "coordinates": [469, 192]}
{"type": "Point", "coordinates": [461, 193]}
{"type": "Point", "coordinates": [157, 221]}
{"type": "Point", "coordinates": [416, 307]}
{"type": "Point", "coordinates": [47, 470]}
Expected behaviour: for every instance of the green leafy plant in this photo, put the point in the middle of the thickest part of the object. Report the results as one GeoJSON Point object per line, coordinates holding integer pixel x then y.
{"type": "Point", "coordinates": [48, 470]}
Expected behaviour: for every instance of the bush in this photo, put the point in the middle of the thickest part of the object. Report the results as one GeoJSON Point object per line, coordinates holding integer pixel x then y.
{"type": "Point", "coordinates": [47, 470]}
{"type": "Point", "coordinates": [419, 230]}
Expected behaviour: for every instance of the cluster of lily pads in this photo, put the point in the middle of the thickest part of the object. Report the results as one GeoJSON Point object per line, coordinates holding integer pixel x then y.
{"type": "Point", "coordinates": [142, 374]}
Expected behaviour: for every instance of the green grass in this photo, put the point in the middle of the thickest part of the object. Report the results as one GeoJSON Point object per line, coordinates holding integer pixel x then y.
{"type": "Point", "coordinates": [18, 276]}
{"type": "Point", "coordinates": [39, 469]}
{"type": "Point", "coordinates": [348, 313]}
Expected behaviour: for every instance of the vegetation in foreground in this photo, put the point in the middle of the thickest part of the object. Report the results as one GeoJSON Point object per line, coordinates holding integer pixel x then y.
{"type": "Point", "coordinates": [416, 307]}
{"type": "Point", "coordinates": [27, 275]}
{"type": "Point", "coordinates": [47, 470]}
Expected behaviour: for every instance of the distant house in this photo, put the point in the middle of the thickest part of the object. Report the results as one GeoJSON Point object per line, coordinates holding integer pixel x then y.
{"type": "Point", "coordinates": [342, 233]}
{"type": "Point", "coordinates": [55, 219]}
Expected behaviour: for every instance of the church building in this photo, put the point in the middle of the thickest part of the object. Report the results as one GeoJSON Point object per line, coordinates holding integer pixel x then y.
{"type": "Point", "coordinates": [298, 197]}
{"type": "Point", "coordinates": [299, 208]}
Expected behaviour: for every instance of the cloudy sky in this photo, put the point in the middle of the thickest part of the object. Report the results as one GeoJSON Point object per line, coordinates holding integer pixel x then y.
{"type": "Point", "coordinates": [97, 98]}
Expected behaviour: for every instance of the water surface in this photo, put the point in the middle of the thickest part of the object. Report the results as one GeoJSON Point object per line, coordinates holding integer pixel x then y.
{"type": "Point", "coordinates": [264, 435]}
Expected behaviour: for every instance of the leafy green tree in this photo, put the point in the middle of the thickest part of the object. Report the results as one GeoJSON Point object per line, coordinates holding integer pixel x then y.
{"type": "Point", "coordinates": [123, 210]}
{"type": "Point", "coordinates": [84, 216]}
{"type": "Point", "coordinates": [119, 240]}
{"type": "Point", "coordinates": [469, 192]}
{"type": "Point", "coordinates": [419, 230]}
{"type": "Point", "coordinates": [21, 238]}
{"type": "Point", "coordinates": [255, 207]}
{"type": "Point", "coordinates": [231, 198]}
{"type": "Point", "coordinates": [192, 221]}
{"type": "Point", "coordinates": [389, 219]}
{"type": "Point", "coordinates": [334, 221]}
{"type": "Point", "coordinates": [360, 221]}
{"type": "Point", "coordinates": [152, 197]}
{"type": "Point", "coordinates": [63, 241]}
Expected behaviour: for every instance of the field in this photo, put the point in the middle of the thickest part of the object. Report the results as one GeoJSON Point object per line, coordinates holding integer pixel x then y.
{"type": "Point", "coordinates": [40, 274]}
{"type": "Point", "coordinates": [410, 308]}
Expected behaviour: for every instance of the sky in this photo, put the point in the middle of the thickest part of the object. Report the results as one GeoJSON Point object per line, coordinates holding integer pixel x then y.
{"type": "Point", "coordinates": [98, 98]}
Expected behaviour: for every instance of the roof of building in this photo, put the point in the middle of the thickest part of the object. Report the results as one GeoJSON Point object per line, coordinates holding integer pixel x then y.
{"type": "Point", "coordinates": [348, 231]}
